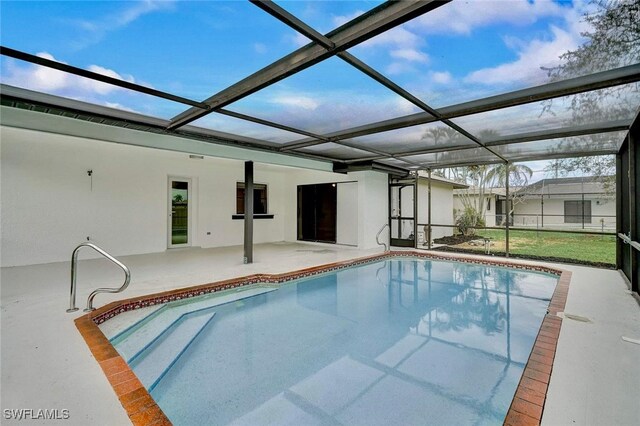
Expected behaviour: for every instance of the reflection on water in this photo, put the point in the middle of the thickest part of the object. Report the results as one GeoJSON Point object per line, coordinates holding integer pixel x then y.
{"type": "Point", "coordinates": [395, 342]}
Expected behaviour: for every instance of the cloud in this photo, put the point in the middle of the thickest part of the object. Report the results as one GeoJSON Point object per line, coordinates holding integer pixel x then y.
{"type": "Point", "coordinates": [48, 80]}
{"type": "Point", "coordinates": [532, 56]}
{"type": "Point", "coordinates": [464, 17]}
{"type": "Point", "coordinates": [299, 40]}
{"type": "Point", "coordinates": [399, 67]}
{"type": "Point", "coordinates": [441, 77]}
{"type": "Point", "coordinates": [260, 48]}
{"type": "Point", "coordinates": [399, 37]}
{"type": "Point", "coordinates": [116, 105]}
{"type": "Point", "coordinates": [303, 102]}
{"type": "Point", "coordinates": [96, 30]}
{"type": "Point", "coordinates": [411, 55]}
{"type": "Point", "coordinates": [339, 20]}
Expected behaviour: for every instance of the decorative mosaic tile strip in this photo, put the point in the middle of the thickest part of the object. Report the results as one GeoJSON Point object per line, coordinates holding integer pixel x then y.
{"type": "Point", "coordinates": [526, 407]}
{"type": "Point", "coordinates": [137, 402]}
{"type": "Point", "coordinates": [528, 402]}
{"type": "Point", "coordinates": [107, 312]}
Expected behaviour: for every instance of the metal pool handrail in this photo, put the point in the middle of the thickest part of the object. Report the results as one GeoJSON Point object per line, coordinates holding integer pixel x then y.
{"type": "Point", "coordinates": [627, 240]}
{"type": "Point", "coordinates": [386, 246]}
{"type": "Point", "coordinates": [74, 262]}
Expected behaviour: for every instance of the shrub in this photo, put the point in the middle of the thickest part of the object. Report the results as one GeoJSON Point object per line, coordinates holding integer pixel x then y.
{"type": "Point", "coordinates": [468, 220]}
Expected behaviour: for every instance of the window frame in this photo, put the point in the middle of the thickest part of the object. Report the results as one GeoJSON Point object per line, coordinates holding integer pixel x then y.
{"type": "Point", "coordinates": [240, 198]}
{"type": "Point", "coordinates": [580, 206]}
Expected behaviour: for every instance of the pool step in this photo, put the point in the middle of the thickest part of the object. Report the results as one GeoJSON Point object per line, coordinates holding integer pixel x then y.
{"type": "Point", "coordinates": [152, 363]}
{"type": "Point", "coordinates": [134, 339]}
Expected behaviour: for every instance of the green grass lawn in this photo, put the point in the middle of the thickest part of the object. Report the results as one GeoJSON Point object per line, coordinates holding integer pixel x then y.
{"type": "Point", "coordinates": [591, 248]}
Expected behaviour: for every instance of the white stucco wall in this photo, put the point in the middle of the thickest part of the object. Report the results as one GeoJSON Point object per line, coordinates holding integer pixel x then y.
{"type": "Point", "coordinates": [49, 204]}
{"type": "Point", "coordinates": [347, 220]}
{"type": "Point", "coordinates": [528, 211]}
{"type": "Point", "coordinates": [441, 204]}
{"type": "Point", "coordinates": [373, 206]}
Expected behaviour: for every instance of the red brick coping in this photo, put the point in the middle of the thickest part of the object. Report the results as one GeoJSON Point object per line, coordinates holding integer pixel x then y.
{"type": "Point", "coordinates": [525, 409]}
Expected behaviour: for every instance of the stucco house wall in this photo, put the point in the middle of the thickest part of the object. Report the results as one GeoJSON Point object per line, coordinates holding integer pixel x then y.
{"type": "Point", "coordinates": [49, 203]}
{"type": "Point", "coordinates": [529, 212]}
{"type": "Point", "coordinates": [441, 208]}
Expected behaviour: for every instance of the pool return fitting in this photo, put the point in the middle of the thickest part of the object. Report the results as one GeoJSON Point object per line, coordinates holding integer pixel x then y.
{"type": "Point", "coordinates": [74, 263]}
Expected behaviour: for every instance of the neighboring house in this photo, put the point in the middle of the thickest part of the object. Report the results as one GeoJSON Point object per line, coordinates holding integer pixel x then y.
{"type": "Point", "coordinates": [573, 202]}
{"type": "Point", "coordinates": [562, 203]}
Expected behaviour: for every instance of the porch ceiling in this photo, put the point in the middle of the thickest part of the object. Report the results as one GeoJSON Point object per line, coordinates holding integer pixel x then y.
{"type": "Point", "coordinates": [531, 123]}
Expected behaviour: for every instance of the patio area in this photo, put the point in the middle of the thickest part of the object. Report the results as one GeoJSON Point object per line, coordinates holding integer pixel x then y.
{"type": "Point", "coordinates": [593, 373]}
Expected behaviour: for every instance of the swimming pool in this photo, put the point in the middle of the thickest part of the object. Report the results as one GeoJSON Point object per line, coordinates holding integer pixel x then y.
{"type": "Point", "coordinates": [397, 341]}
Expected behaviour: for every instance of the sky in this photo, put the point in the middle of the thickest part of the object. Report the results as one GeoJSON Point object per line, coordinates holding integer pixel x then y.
{"type": "Point", "coordinates": [459, 52]}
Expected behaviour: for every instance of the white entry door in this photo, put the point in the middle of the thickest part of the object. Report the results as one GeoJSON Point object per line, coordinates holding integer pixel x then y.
{"type": "Point", "coordinates": [179, 234]}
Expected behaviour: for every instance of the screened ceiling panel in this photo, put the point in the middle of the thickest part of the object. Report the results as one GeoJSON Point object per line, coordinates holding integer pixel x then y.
{"type": "Point", "coordinates": [611, 104]}
{"type": "Point", "coordinates": [227, 124]}
{"type": "Point", "coordinates": [468, 50]}
{"type": "Point", "coordinates": [337, 151]}
{"type": "Point", "coordinates": [325, 16]}
{"type": "Point", "coordinates": [190, 48]}
{"type": "Point", "coordinates": [464, 156]}
{"type": "Point", "coordinates": [455, 52]}
{"type": "Point", "coordinates": [413, 138]}
{"type": "Point", "coordinates": [583, 145]}
{"type": "Point", "coordinates": [395, 162]}
{"type": "Point", "coordinates": [327, 97]}
{"type": "Point", "coordinates": [41, 79]}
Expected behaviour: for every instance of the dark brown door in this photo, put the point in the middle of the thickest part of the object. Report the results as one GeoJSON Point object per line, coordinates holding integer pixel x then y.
{"type": "Point", "coordinates": [317, 212]}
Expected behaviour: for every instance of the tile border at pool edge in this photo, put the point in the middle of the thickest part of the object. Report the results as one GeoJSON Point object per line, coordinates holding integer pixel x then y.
{"type": "Point", "coordinates": [528, 402]}
{"type": "Point", "coordinates": [143, 410]}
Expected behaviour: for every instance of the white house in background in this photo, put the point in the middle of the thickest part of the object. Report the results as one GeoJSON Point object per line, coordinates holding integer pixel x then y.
{"type": "Point", "coordinates": [559, 203]}
{"type": "Point", "coordinates": [66, 180]}
{"type": "Point", "coordinates": [493, 201]}
{"type": "Point", "coordinates": [572, 202]}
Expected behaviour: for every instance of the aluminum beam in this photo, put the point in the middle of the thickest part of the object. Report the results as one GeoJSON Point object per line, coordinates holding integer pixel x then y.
{"type": "Point", "coordinates": [513, 159]}
{"type": "Point", "coordinates": [601, 80]}
{"type": "Point", "coordinates": [384, 17]}
{"type": "Point", "coordinates": [315, 36]}
{"type": "Point", "coordinates": [282, 15]}
{"type": "Point", "coordinates": [257, 120]}
{"type": "Point", "coordinates": [589, 129]}
{"type": "Point", "coordinates": [6, 51]}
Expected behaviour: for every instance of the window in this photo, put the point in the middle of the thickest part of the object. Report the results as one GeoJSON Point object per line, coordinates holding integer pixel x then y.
{"type": "Point", "coordinates": [259, 198]}
{"type": "Point", "coordinates": [489, 204]}
{"type": "Point", "coordinates": [573, 211]}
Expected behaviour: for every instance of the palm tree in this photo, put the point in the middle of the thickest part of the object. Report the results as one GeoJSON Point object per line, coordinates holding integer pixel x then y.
{"type": "Point", "coordinates": [519, 176]}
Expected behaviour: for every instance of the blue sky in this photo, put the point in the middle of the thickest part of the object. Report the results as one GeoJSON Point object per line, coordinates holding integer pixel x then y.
{"type": "Point", "coordinates": [459, 52]}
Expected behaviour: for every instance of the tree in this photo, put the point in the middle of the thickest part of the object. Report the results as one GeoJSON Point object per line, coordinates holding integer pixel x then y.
{"type": "Point", "coordinates": [519, 176]}
{"type": "Point", "coordinates": [473, 198]}
{"type": "Point", "coordinates": [480, 180]}
{"type": "Point", "coordinates": [612, 41]}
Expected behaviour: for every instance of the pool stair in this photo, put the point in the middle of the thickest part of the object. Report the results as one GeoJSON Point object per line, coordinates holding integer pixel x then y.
{"type": "Point", "coordinates": [134, 339]}
{"type": "Point", "coordinates": [153, 344]}
{"type": "Point", "coordinates": [154, 360]}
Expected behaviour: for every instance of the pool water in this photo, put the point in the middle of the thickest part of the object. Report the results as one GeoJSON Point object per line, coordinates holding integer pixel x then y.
{"type": "Point", "coordinates": [402, 341]}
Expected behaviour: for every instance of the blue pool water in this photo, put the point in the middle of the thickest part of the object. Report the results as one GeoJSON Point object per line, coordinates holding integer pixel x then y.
{"type": "Point", "coordinates": [396, 342]}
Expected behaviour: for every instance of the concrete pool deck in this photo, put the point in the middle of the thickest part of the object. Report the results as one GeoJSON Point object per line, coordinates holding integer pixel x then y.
{"type": "Point", "coordinates": [47, 365]}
